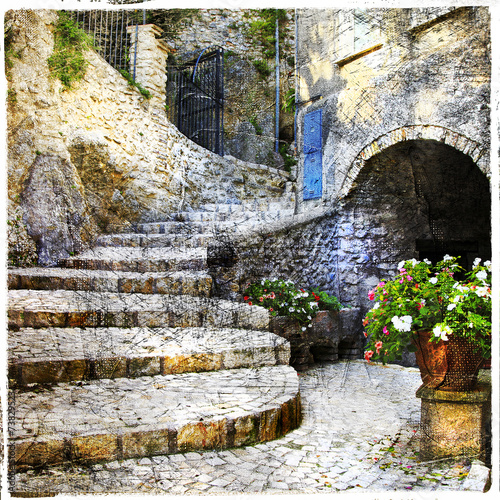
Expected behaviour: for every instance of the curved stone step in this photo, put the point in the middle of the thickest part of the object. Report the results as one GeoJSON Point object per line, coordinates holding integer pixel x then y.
{"type": "Point", "coordinates": [154, 240]}
{"type": "Point", "coordinates": [136, 259]}
{"type": "Point", "coordinates": [147, 416]}
{"type": "Point", "coordinates": [65, 308]}
{"type": "Point", "coordinates": [196, 283]}
{"type": "Point", "coordinates": [68, 354]}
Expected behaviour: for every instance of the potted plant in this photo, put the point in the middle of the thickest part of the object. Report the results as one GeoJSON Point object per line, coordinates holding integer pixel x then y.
{"type": "Point", "coordinates": [301, 316]}
{"type": "Point", "coordinates": [445, 320]}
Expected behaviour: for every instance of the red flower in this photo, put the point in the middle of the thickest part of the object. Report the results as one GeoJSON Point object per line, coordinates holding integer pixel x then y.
{"type": "Point", "coordinates": [368, 355]}
{"type": "Point", "coordinates": [271, 309]}
{"type": "Point", "coordinates": [246, 297]}
{"type": "Point", "coordinates": [249, 303]}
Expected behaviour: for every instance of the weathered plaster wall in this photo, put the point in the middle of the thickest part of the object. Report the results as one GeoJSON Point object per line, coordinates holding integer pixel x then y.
{"type": "Point", "coordinates": [428, 72]}
{"type": "Point", "coordinates": [120, 154]}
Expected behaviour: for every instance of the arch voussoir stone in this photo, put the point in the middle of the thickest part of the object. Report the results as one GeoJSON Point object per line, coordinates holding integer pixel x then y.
{"type": "Point", "coordinates": [460, 142]}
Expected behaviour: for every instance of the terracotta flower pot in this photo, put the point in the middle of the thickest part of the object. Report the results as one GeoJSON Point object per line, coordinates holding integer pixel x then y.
{"type": "Point", "coordinates": [448, 366]}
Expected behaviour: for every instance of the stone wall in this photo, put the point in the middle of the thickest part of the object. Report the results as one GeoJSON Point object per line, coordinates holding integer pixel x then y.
{"type": "Point", "coordinates": [122, 159]}
{"type": "Point", "coordinates": [417, 68]}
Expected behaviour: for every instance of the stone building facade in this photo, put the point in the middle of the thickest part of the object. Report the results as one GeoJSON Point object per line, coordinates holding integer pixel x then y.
{"type": "Point", "coordinates": [393, 121]}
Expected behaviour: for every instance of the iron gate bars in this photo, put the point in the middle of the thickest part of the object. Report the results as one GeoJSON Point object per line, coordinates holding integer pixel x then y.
{"type": "Point", "coordinates": [195, 98]}
{"type": "Point", "coordinates": [108, 30]}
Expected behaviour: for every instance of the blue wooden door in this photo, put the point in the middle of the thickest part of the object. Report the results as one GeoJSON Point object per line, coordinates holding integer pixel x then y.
{"type": "Point", "coordinates": [313, 157]}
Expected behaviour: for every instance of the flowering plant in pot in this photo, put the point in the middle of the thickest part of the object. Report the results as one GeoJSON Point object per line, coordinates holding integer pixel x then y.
{"type": "Point", "coordinates": [425, 304]}
{"type": "Point", "coordinates": [282, 298]}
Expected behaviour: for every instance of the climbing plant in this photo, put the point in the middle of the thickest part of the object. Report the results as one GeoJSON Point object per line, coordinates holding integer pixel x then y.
{"type": "Point", "coordinates": [67, 62]}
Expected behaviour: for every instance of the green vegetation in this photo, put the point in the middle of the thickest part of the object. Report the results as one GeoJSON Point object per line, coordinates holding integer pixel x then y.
{"type": "Point", "coordinates": [68, 63]}
{"type": "Point", "coordinates": [131, 81]}
{"type": "Point", "coordinates": [171, 21]}
{"type": "Point", "coordinates": [289, 160]}
{"type": "Point", "coordinates": [263, 29]}
{"type": "Point", "coordinates": [262, 68]}
{"type": "Point", "coordinates": [289, 102]}
{"type": "Point", "coordinates": [256, 126]}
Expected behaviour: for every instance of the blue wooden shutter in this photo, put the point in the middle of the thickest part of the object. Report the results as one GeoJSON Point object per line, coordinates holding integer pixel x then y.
{"type": "Point", "coordinates": [313, 157]}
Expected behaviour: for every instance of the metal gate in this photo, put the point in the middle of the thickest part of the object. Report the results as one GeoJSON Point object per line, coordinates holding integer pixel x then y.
{"type": "Point", "coordinates": [195, 98]}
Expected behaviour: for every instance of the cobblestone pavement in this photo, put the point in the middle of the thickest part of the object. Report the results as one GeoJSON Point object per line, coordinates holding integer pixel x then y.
{"type": "Point", "coordinates": [359, 433]}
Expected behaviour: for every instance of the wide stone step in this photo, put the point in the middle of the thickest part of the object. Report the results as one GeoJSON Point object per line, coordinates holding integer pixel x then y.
{"type": "Point", "coordinates": [196, 283]}
{"type": "Point", "coordinates": [229, 224]}
{"type": "Point", "coordinates": [154, 240]}
{"type": "Point", "coordinates": [64, 308]}
{"type": "Point", "coordinates": [52, 355]}
{"type": "Point", "coordinates": [136, 259]}
{"type": "Point", "coordinates": [218, 216]}
{"type": "Point", "coordinates": [115, 419]}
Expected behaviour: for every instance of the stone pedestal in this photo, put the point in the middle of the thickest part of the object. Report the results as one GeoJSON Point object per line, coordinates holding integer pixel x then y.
{"type": "Point", "coordinates": [455, 423]}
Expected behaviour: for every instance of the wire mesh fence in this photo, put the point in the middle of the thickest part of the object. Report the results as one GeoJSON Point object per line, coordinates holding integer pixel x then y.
{"type": "Point", "coordinates": [108, 31]}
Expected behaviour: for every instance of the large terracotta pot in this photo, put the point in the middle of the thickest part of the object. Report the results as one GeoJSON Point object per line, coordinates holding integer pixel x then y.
{"type": "Point", "coordinates": [448, 366]}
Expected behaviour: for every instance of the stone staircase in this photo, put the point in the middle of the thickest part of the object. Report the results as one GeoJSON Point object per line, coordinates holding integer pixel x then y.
{"type": "Point", "coordinates": [124, 351]}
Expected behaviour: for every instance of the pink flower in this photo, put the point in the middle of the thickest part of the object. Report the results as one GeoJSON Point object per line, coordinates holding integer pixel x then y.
{"type": "Point", "coordinates": [371, 294]}
{"type": "Point", "coordinates": [409, 278]}
{"type": "Point", "coordinates": [385, 330]}
{"type": "Point", "coordinates": [402, 270]}
{"type": "Point", "coordinates": [381, 285]}
{"type": "Point", "coordinates": [261, 299]}
{"type": "Point", "coordinates": [368, 355]}
{"type": "Point", "coordinates": [378, 346]}
{"type": "Point", "coordinates": [419, 306]}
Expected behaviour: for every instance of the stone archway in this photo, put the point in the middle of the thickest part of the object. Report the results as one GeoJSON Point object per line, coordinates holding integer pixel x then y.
{"type": "Point", "coordinates": [415, 132]}
{"type": "Point", "coordinates": [416, 197]}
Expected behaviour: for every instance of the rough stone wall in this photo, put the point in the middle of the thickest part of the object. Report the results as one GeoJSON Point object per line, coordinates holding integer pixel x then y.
{"type": "Point", "coordinates": [417, 70]}
{"type": "Point", "coordinates": [122, 156]}
{"type": "Point", "coordinates": [249, 114]}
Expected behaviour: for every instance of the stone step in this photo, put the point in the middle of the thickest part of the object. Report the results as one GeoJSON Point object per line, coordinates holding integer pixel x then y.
{"type": "Point", "coordinates": [65, 308]}
{"type": "Point", "coordinates": [51, 355]}
{"type": "Point", "coordinates": [136, 259]}
{"type": "Point", "coordinates": [116, 419]}
{"type": "Point", "coordinates": [213, 216]}
{"type": "Point", "coordinates": [211, 227]}
{"type": "Point", "coordinates": [196, 283]}
{"type": "Point", "coordinates": [154, 240]}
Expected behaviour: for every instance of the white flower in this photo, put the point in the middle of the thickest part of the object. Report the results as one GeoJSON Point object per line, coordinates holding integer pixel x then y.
{"type": "Point", "coordinates": [314, 304]}
{"type": "Point", "coordinates": [482, 291]}
{"type": "Point", "coordinates": [309, 325]}
{"type": "Point", "coordinates": [433, 280]}
{"type": "Point", "coordinates": [303, 328]}
{"type": "Point", "coordinates": [428, 262]}
{"type": "Point", "coordinates": [487, 264]}
{"type": "Point", "coordinates": [482, 275]}
{"type": "Point", "coordinates": [376, 306]}
{"type": "Point", "coordinates": [291, 309]}
{"type": "Point", "coordinates": [477, 260]}
{"type": "Point", "coordinates": [401, 264]}
{"type": "Point", "coordinates": [309, 318]}
{"type": "Point", "coordinates": [471, 325]}
{"type": "Point", "coordinates": [450, 307]}
{"type": "Point", "coordinates": [442, 331]}
{"type": "Point", "coordinates": [447, 257]}
{"type": "Point", "coordinates": [403, 323]}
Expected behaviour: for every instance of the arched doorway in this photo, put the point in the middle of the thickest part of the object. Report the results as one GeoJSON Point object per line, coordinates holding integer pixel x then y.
{"type": "Point", "coordinates": [419, 199]}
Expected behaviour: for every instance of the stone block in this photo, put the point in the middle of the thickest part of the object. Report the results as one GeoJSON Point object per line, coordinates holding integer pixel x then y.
{"type": "Point", "coordinates": [246, 430]}
{"type": "Point", "coordinates": [201, 436]}
{"type": "Point", "coordinates": [454, 423]}
{"type": "Point", "coordinates": [147, 442]}
{"type": "Point", "coordinates": [94, 448]}
{"type": "Point", "coordinates": [32, 453]}
{"type": "Point", "coordinates": [53, 371]}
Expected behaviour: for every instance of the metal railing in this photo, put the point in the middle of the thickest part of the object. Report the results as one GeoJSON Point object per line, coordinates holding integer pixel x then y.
{"type": "Point", "coordinates": [195, 98]}
{"type": "Point", "coordinates": [108, 31]}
